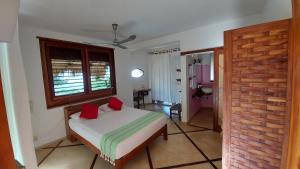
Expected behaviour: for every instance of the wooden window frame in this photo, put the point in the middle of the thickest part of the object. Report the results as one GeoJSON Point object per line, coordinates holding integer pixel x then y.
{"type": "Point", "coordinates": [56, 101]}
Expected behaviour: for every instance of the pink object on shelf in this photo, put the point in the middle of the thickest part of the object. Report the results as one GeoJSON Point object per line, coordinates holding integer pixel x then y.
{"type": "Point", "coordinates": [203, 73]}
{"type": "Point", "coordinates": [199, 73]}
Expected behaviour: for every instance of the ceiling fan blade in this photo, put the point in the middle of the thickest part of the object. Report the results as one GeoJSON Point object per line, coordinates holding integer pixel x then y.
{"type": "Point", "coordinates": [120, 46]}
{"type": "Point", "coordinates": [95, 31]}
{"type": "Point", "coordinates": [98, 43]}
{"type": "Point", "coordinates": [130, 38]}
{"type": "Point", "coordinates": [104, 43]}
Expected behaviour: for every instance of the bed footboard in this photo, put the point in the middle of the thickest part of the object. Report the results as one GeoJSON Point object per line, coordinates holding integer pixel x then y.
{"type": "Point", "coordinates": [120, 163]}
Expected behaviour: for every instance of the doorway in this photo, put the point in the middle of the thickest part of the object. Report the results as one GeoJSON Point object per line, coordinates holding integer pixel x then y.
{"type": "Point", "coordinates": [205, 86]}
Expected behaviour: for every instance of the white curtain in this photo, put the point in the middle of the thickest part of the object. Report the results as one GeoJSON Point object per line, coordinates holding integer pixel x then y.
{"type": "Point", "coordinates": [163, 76]}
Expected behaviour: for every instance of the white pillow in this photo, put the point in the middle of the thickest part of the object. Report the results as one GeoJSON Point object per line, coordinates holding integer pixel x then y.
{"type": "Point", "coordinates": [75, 116]}
{"type": "Point", "coordinates": [104, 108]}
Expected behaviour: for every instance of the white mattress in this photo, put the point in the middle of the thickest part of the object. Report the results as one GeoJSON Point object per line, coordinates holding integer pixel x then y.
{"type": "Point", "coordinates": [93, 130]}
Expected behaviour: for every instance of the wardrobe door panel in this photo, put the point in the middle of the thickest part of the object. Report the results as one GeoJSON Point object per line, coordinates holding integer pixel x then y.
{"type": "Point", "coordinates": [256, 80]}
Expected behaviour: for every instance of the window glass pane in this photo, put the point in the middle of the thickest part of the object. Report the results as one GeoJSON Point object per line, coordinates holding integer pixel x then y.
{"type": "Point", "coordinates": [66, 71]}
{"type": "Point", "coordinates": [99, 71]}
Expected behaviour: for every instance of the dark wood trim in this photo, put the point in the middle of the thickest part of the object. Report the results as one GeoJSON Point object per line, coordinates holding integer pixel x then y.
{"type": "Point", "coordinates": [55, 101]}
{"type": "Point", "coordinates": [199, 51]}
{"type": "Point", "coordinates": [119, 163]}
{"type": "Point", "coordinates": [73, 43]}
{"type": "Point", "coordinates": [7, 159]}
{"type": "Point", "coordinates": [227, 100]}
{"type": "Point", "coordinates": [293, 152]}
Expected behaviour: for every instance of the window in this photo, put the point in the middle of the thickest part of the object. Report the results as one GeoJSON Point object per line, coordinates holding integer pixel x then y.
{"type": "Point", "coordinates": [99, 72]}
{"type": "Point", "coordinates": [136, 73]}
{"type": "Point", "coordinates": [67, 71]}
{"type": "Point", "coordinates": [76, 72]}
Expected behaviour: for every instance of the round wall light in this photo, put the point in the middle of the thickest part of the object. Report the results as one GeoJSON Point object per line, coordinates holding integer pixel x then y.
{"type": "Point", "coordinates": [136, 73]}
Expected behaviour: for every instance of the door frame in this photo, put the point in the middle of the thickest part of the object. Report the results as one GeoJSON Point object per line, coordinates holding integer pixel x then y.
{"type": "Point", "coordinates": [293, 152]}
{"type": "Point", "coordinates": [216, 50]}
{"type": "Point", "coordinates": [6, 149]}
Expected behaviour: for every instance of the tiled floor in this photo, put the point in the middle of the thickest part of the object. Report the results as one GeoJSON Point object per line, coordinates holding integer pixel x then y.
{"type": "Point", "coordinates": [190, 146]}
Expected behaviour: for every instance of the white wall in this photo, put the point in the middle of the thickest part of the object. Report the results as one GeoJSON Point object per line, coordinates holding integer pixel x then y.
{"type": "Point", "coordinates": [48, 124]}
{"type": "Point", "coordinates": [8, 17]}
{"type": "Point", "coordinates": [123, 76]}
{"type": "Point", "coordinates": [201, 37]}
{"type": "Point", "coordinates": [213, 35]}
{"type": "Point", "coordinates": [185, 88]}
{"type": "Point", "coordinates": [139, 59]}
{"type": "Point", "coordinates": [197, 38]}
{"type": "Point", "coordinates": [17, 102]}
{"type": "Point", "coordinates": [277, 10]}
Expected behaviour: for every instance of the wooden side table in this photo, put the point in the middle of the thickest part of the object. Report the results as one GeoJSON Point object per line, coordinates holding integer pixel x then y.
{"type": "Point", "coordinates": [140, 95]}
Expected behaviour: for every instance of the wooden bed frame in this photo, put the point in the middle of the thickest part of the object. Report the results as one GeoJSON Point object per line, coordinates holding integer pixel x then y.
{"type": "Point", "coordinates": [119, 163]}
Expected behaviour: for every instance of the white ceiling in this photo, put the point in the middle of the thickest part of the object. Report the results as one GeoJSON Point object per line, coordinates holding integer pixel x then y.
{"type": "Point", "coordinates": [147, 19]}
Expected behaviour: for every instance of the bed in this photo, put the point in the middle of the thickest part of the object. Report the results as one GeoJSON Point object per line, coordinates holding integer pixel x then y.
{"type": "Point", "coordinates": [90, 132]}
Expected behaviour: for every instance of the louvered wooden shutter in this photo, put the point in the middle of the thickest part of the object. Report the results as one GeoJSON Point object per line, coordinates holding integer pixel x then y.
{"type": "Point", "coordinates": [67, 71]}
{"type": "Point", "coordinates": [100, 73]}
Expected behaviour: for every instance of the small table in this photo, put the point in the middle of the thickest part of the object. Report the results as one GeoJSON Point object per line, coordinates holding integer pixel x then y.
{"type": "Point", "coordinates": [176, 107]}
{"type": "Point", "coordinates": [140, 95]}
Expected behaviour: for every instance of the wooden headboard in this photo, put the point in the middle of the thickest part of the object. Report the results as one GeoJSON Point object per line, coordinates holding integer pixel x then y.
{"type": "Point", "coordinates": [77, 108]}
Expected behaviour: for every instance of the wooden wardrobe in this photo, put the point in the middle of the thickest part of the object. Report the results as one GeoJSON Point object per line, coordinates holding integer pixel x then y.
{"type": "Point", "coordinates": [256, 96]}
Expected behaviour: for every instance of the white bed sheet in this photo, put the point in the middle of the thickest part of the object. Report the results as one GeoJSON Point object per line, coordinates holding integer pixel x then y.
{"type": "Point", "coordinates": [93, 130]}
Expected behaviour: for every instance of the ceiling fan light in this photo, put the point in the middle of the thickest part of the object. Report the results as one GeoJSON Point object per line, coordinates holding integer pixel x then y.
{"type": "Point", "coordinates": [115, 26]}
{"type": "Point", "coordinates": [132, 37]}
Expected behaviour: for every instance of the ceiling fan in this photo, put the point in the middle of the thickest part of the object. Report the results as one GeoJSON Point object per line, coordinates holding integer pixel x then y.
{"type": "Point", "coordinates": [116, 42]}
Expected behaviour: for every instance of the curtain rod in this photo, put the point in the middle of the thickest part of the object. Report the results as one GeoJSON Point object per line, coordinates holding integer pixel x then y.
{"type": "Point", "coordinates": [164, 51]}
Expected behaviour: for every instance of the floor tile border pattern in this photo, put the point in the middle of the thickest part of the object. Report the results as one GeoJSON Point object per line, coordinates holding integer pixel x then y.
{"type": "Point", "coordinates": [149, 158]}
{"type": "Point", "coordinates": [94, 161]}
{"type": "Point", "coordinates": [189, 131]}
{"type": "Point", "coordinates": [190, 124]}
{"type": "Point", "coordinates": [148, 152]}
{"type": "Point", "coordinates": [45, 148]}
{"type": "Point", "coordinates": [53, 149]}
{"type": "Point", "coordinates": [190, 164]}
{"type": "Point", "coordinates": [204, 155]}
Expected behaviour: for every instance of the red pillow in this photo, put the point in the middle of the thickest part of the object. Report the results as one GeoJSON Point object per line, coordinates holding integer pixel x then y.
{"type": "Point", "coordinates": [115, 103]}
{"type": "Point", "coordinates": [89, 111]}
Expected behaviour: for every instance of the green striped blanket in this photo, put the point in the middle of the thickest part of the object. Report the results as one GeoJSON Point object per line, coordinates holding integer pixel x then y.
{"type": "Point", "coordinates": [110, 140]}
